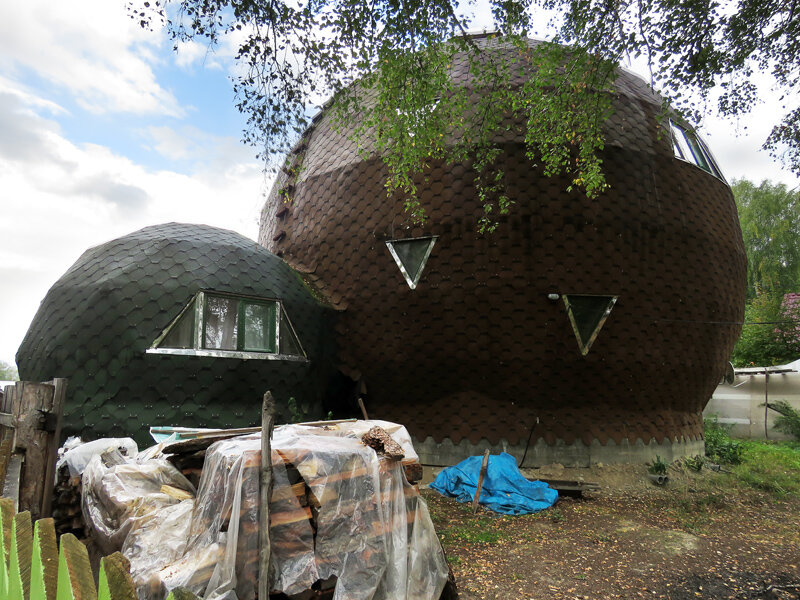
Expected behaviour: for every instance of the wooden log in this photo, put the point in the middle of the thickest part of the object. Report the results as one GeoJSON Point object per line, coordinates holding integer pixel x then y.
{"type": "Point", "coordinates": [53, 441]}
{"type": "Point", "coordinates": [267, 421]}
{"type": "Point", "coordinates": [32, 403]}
{"type": "Point", "coordinates": [379, 440]}
{"type": "Point", "coordinates": [484, 464]}
{"type": "Point", "coordinates": [363, 408]}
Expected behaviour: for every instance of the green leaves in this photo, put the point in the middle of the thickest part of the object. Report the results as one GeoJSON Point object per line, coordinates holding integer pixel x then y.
{"type": "Point", "coordinates": [771, 334]}
{"type": "Point", "coordinates": [411, 85]}
{"type": "Point", "coordinates": [769, 215]}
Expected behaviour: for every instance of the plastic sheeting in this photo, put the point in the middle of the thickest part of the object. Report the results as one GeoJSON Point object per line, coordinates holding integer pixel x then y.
{"type": "Point", "coordinates": [77, 453]}
{"type": "Point", "coordinates": [337, 510]}
{"type": "Point", "coordinates": [121, 502]}
{"type": "Point", "coordinates": [504, 488]}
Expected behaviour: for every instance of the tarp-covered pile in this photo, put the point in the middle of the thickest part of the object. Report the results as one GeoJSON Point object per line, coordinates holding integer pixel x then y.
{"type": "Point", "coordinates": [338, 509]}
{"type": "Point", "coordinates": [504, 489]}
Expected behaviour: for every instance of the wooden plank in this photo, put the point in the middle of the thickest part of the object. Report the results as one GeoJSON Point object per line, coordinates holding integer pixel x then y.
{"type": "Point", "coordinates": [6, 419]}
{"type": "Point", "coordinates": [363, 408]}
{"type": "Point", "coordinates": [53, 442]}
{"type": "Point", "coordinates": [32, 402]}
{"type": "Point", "coordinates": [7, 407]}
{"type": "Point", "coordinates": [481, 475]}
{"type": "Point", "coordinates": [265, 551]}
{"type": "Point", "coordinates": [5, 456]}
{"type": "Point", "coordinates": [12, 480]}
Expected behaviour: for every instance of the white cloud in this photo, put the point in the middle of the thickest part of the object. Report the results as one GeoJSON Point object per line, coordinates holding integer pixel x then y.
{"type": "Point", "coordinates": [194, 54]}
{"type": "Point", "coordinates": [89, 47]}
{"type": "Point", "coordinates": [59, 198]}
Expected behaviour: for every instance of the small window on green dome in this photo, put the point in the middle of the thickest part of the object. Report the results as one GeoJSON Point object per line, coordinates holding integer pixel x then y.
{"type": "Point", "coordinates": [225, 325]}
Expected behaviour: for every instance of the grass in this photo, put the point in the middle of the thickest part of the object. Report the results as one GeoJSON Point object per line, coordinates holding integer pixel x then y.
{"type": "Point", "coordinates": [772, 467]}
{"type": "Point", "coordinates": [694, 511]}
{"type": "Point", "coordinates": [479, 531]}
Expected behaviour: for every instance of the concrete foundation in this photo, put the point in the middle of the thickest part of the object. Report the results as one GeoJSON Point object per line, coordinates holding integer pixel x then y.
{"type": "Point", "coordinates": [577, 454]}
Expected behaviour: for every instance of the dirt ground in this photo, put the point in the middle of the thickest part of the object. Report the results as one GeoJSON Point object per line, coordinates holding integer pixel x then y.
{"type": "Point", "coordinates": [697, 537]}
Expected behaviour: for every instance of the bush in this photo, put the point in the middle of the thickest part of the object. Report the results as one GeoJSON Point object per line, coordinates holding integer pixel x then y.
{"type": "Point", "coordinates": [658, 466]}
{"type": "Point", "coordinates": [695, 463]}
{"type": "Point", "coordinates": [789, 420]}
{"type": "Point", "coordinates": [719, 445]}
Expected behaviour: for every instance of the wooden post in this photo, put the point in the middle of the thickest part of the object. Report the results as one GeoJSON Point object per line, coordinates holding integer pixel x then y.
{"type": "Point", "coordinates": [363, 408]}
{"type": "Point", "coordinates": [482, 474]}
{"type": "Point", "coordinates": [32, 403]}
{"type": "Point", "coordinates": [53, 442]}
{"type": "Point", "coordinates": [766, 402]}
{"type": "Point", "coordinates": [265, 551]}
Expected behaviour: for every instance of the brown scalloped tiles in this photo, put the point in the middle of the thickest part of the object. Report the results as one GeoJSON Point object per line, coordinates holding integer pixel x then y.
{"type": "Point", "coordinates": [478, 351]}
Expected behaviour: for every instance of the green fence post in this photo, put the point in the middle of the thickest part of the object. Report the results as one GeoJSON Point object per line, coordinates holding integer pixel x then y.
{"type": "Point", "coordinates": [44, 563]}
{"type": "Point", "coordinates": [19, 563]}
{"type": "Point", "coordinates": [75, 581]}
{"type": "Point", "coordinates": [6, 518]}
{"type": "Point", "coordinates": [115, 581]}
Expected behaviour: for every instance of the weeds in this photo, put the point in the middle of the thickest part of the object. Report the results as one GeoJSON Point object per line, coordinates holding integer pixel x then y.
{"type": "Point", "coordinates": [555, 515]}
{"type": "Point", "coordinates": [719, 445]}
{"type": "Point", "coordinates": [694, 463]}
{"type": "Point", "coordinates": [658, 466]}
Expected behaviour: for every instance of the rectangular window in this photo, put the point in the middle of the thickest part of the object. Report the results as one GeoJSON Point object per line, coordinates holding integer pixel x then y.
{"type": "Point", "coordinates": [216, 324]}
{"type": "Point", "coordinates": [687, 146]}
{"type": "Point", "coordinates": [221, 323]}
{"type": "Point", "coordinates": [259, 327]}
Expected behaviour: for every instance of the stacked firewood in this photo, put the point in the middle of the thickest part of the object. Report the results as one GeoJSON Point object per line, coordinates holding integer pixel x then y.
{"type": "Point", "coordinates": [325, 516]}
{"type": "Point", "coordinates": [67, 504]}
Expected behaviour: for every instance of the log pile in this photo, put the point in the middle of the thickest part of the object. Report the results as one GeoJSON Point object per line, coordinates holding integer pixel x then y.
{"type": "Point", "coordinates": [67, 504]}
{"type": "Point", "coordinates": [346, 518]}
{"type": "Point", "coordinates": [332, 510]}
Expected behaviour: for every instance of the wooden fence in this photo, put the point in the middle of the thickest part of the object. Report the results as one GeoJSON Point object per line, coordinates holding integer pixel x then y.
{"type": "Point", "coordinates": [30, 431]}
{"type": "Point", "coordinates": [33, 566]}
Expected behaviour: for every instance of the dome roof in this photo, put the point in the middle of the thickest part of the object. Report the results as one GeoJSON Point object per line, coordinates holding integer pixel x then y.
{"type": "Point", "coordinates": [482, 347]}
{"type": "Point", "coordinates": [96, 323]}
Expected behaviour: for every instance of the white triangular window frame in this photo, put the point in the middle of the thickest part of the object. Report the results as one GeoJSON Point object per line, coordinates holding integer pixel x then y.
{"type": "Point", "coordinates": [412, 281]}
{"type": "Point", "coordinates": [585, 345]}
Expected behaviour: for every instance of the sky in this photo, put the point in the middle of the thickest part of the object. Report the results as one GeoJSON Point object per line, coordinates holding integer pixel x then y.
{"type": "Point", "coordinates": [104, 129]}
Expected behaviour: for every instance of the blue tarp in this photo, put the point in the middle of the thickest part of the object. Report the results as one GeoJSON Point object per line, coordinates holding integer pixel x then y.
{"type": "Point", "coordinates": [504, 489]}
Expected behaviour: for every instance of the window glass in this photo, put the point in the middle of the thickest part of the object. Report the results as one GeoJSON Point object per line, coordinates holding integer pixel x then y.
{"type": "Point", "coordinates": [697, 152]}
{"type": "Point", "coordinates": [221, 320]}
{"type": "Point", "coordinates": [689, 147]}
{"type": "Point", "coordinates": [239, 327]}
{"type": "Point", "coordinates": [679, 144]}
{"type": "Point", "coordinates": [587, 313]}
{"type": "Point", "coordinates": [181, 335]}
{"type": "Point", "coordinates": [289, 342]}
{"type": "Point", "coordinates": [259, 327]}
{"type": "Point", "coordinates": [411, 255]}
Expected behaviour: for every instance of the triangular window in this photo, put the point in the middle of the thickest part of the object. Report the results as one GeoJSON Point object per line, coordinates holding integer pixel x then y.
{"type": "Point", "coordinates": [289, 343]}
{"type": "Point", "coordinates": [181, 333]}
{"type": "Point", "coordinates": [587, 315]}
{"type": "Point", "coordinates": [411, 255]}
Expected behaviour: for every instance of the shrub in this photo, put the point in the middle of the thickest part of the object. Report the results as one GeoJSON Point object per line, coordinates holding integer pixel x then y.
{"type": "Point", "coordinates": [789, 420]}
{"type": "Point", "coordinates": [719, 445]}
{"type": "Point", "coordinates": [658, 466]}
{"type": "Point", "coordinates": [694, 463]}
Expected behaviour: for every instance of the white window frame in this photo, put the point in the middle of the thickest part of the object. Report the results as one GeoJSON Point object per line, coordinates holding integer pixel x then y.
{"type": "Point", "coordinates": [680, 137]}
{"type": "Point", "coordinates": [198, 304]}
